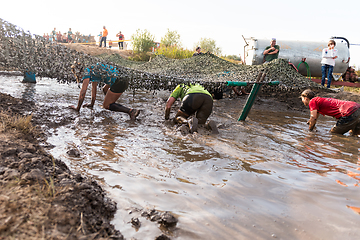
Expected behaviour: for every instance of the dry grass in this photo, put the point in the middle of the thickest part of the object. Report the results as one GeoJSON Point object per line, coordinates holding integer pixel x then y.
{"type": "Point", "coordinates": [27, 212]}
{"type": "Point", "coordinates": [20, 123]}
{"type": "Point", "coordinates": [352, 89]}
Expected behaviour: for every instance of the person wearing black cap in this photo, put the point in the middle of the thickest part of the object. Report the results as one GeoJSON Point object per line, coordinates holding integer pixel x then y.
{"type": "Point", "coordinates": [347, 113]}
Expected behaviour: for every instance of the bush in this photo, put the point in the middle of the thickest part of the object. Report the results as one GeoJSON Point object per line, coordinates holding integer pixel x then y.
{"type": "Point", "coordinates": [208, 45]}
{"type": "Point", "coordinates": [142, 56]}
{"type": "Point", "coordinates": [172, 38]}
{"type": "Point", "coordinates": [174, 52]}
{"type": "Point", "coordinates": [142, 41]}
{"type": "Point", "coordinates": [232, 59]}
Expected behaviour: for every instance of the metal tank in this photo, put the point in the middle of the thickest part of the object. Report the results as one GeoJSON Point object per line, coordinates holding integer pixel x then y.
{"type": "Point", "coordinates": [296, 51]}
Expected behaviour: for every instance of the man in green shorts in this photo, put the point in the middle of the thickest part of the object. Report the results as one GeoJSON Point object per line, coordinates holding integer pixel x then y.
{"type": "Point", "coordinates": [195, 99]}
{"type": "Point", "coordinates": [113, 89]}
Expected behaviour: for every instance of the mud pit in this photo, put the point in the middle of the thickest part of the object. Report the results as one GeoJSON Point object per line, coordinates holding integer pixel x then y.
{"type": "Point", "coordinates": [41, 197]}
{"type": "Point", "coordinates": [68, 205]}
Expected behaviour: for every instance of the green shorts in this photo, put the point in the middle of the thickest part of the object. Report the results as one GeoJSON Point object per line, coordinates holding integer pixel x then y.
{"type": "Point", "coordinates": [120, 85]}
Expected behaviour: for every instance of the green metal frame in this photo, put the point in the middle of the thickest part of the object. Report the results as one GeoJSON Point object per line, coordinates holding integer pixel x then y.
{"type": "Point", "coordinates": [307, 68]}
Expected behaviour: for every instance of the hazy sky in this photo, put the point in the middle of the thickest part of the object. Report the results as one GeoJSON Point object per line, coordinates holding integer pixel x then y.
{"type": "Point", "coordinates": [223, 21]}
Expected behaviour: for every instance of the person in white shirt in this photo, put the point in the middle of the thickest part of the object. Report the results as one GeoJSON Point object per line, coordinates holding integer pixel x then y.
{"type": "Point", "coordinates": [329, 55]}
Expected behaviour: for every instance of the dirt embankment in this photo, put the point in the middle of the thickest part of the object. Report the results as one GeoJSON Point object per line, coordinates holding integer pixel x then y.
{"type": "Point", "coordinates": [39, 196]}
{"type": "Point", "coordinates": [95, 50]}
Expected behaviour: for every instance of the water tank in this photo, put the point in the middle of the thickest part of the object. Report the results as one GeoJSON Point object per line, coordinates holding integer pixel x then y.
{"type": "Point", "coordinates": [295, 51]}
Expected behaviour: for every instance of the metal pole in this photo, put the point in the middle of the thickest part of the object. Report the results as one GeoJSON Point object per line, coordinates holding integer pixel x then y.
{"type": "Point", "coordinates": [250, 101]}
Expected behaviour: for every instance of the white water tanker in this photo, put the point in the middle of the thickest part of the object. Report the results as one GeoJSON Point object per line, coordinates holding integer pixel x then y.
{"type": "Point", "coordinates": [297, 51]}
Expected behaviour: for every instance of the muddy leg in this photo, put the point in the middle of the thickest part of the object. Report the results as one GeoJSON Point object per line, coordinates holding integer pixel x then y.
{"type": "Point", "coordinates": [211, 125]}
{"type": "Point", "coordinates": [181, 117]}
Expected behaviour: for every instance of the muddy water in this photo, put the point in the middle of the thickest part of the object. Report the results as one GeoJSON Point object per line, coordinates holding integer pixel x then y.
{"type": "Point", "coordinates": [265, 178]}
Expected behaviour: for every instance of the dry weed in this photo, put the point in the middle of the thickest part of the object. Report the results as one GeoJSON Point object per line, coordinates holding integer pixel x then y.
{"type": "Point", "coordinates": [20, 123]}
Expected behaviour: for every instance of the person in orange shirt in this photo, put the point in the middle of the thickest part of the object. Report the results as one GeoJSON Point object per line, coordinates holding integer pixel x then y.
{"type": "Point", "coordinates": [103, 38]}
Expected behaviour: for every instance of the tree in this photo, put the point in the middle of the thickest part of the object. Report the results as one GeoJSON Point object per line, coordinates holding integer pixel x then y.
{"type": "Point", "coordinates": [142, 41]}
{"type": "Point", "coordinates": [234, 57]}
{"type": "Point", "coordinates": [208, 45]}
{"type": "Point", "coordinates": [171, 38]}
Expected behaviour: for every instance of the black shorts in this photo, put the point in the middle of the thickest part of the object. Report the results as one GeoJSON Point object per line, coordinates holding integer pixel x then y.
{"type": "Point", "coordinates": [345, 124]}
{"type": "Point", "coordinates": [200, 103]}
{"type": "Point", "coordinates": [120, 85]}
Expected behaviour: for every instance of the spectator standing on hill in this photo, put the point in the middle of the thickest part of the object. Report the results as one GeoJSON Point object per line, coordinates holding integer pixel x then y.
{"type": "Point", "coordinates": [46, 36]}
{"type": "Point", "coordinates": [121, 39]}
{"type": "Point", "coordinates": [64, 38]}
{"type": "Point", "coordinates": [271, 52]}
{"type": "Point", "coordinates": [329, 55]}
{"type": "Point", "coordinates": [69, 36]}
{"type": "Point", "coordinates": [59, 37]}
{"type": "Point", "coordinates": [103, 37]}
{"type": "Point", "coordinates": [77, 37]}
{"type": "Point", "coordinates": [100, 36]}
{"type": "Point", "coordinates": [53, 34]}
{"type": "Point", "coordinates": [198, 52]}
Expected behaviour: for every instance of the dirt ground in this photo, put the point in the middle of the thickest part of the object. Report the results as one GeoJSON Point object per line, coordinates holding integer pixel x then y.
{"type": "Point", "coordinates": [95, 50]}
{"type": "Point", "coordinates": [41, 198]}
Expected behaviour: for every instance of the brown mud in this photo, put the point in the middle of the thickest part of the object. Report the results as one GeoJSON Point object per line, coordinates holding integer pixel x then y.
{"type": "Point", "coordinates": [41, 198]}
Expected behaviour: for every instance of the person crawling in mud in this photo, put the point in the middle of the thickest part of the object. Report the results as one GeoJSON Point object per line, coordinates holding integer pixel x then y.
{"type": "Point", "coordinates": [195, 99]}
{"type": "Point", "coordinates": [113, 89]}
{"type": "Point", "coordinates": [347, 113]}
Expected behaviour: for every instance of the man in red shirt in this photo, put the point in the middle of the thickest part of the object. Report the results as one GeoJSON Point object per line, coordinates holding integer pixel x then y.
{"type": "Point", "coordinates": [347, 113]}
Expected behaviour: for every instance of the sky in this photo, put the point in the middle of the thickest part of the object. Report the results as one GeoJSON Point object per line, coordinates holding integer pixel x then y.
{"type": "Point", "coordinates": [225, 21]}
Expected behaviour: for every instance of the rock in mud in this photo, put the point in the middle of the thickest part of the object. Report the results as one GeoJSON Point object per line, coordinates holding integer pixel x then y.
{"type": "Point", "coordinates": [73, 152]}
{"type": "Point", "coordinates": [162, 237]}
{"type": "Point", "coordinates": [167, 220]}
{"type": "Point", "coordinates": [35, 175]}
{"type": "Point", "coordinates": [135, 222]}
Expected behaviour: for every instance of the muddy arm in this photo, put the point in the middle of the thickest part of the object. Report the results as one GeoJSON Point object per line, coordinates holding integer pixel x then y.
{"type": "Point", "coordinates": [82, 94]}
{"type": "Point", "coordinates": [169, 103]}
{"type": "Point", "coordinates": [312, 121]}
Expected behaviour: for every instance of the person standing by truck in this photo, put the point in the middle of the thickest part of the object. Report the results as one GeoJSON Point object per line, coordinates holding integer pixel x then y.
{"type": "Point", "coordinates": [329, 55]}
{"type": "Point", "coordinates": [271, 52]}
